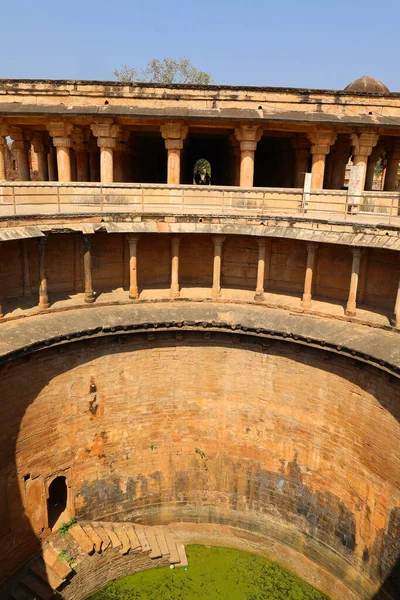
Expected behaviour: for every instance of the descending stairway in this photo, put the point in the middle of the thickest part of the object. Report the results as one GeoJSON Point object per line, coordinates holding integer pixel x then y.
{"type": "Point", "coordinates": [47, 573]}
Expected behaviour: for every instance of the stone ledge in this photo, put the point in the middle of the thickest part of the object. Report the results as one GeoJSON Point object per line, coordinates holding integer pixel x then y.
{"type": "Point", "coordinates": [375, 346]}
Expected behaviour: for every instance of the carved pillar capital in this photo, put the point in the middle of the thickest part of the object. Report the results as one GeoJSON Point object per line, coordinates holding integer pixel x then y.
{"type": "Point", "coordinates": [363, 143]}
{"type": "Point", "coordinates": [248, 136]}
{"type": "Point", "coordinates": [321, 141]}
{"type": "Point", "coordinates": [174, 133]}
{"type": "Point", "coordinates": [106, 134]}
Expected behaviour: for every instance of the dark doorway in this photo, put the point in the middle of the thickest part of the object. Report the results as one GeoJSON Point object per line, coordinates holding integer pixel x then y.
{"type": "Point", "coordinates": [148, 158]}
{"type": "Point", "coordinates": [218, 150]}
{"type": "Point", "coordinates": [274, 164]}
{"type": "Point", "coordinates": [57, 502]}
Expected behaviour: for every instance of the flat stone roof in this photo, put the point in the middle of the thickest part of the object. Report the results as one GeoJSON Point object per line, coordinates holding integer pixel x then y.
{"type": "Point", "coordinates": [188, 86]}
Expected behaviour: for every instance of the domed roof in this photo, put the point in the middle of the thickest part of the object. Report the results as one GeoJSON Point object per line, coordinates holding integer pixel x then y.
{"type": "Point", "coordinates": [368, 85]}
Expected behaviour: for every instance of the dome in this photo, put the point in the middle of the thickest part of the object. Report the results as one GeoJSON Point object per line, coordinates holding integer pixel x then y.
{"type": "Point", "coordinates": [367, 85]}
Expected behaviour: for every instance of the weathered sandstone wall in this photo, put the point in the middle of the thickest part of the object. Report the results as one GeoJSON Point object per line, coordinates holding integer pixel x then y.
{"type": "Point", "coordinates": [292, 443]}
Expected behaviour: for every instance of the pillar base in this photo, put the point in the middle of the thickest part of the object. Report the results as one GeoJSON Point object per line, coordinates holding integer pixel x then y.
{"type": "Point", "coordinates": [306, 301]}
{"type": "Point", "coordinates": [350, 312]}
{"type": "Point", "coordinates": [395, 321]}
{"type": "Point", "coordinates": [134, 294]}
{"type": "Point", "coordinates": [174, 293]}
{"type": "Point", "coordinates": [215, 295]}
{"type": "Point", "coordinates": [44, 305]}
{"type": "Point", "coordinates": [89, 298]}
{"type": "Point", "coordinates": [259, 296]}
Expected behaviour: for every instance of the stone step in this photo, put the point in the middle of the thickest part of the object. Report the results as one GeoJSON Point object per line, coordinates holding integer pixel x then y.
{"type": "Point", "coordinates": [81, 538]}
{"type": "Point", "coordinates": [101, 532]}
{"type": "Point", "coordinates": [133, 538]}
{"type": "Point", "coordinates": [46, 573]}
{"type": "Point", "coordinates": [40, 589]}
{"type": "Point", "coordinates": [115, 541]}
{"type": "Point", "coordinates": [61, 567]}
{"type": "Point", "coordinates": [155, 548]}
{"type": "Point", "coordinates": [123, 538]}
{"type": "Point", "coordinates": [182, 555]}
{"type": "Point", "coordinates": [162, 543]}
{"type": "Point", "coordinates": [142, 539]}
{"type": "Point", "coordinates": [93, 535]}
{"type": "Point", "coordinates": [22, 594]}
{"type": "Point", "coordinates": [174, 557]}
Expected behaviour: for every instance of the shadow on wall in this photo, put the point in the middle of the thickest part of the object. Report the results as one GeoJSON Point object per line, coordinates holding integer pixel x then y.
{"type": "Point", "coordinates": [32, 502]}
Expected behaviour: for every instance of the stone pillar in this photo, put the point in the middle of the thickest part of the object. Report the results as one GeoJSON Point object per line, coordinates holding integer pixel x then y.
{"type": "Point", "coordinates": [87, 264]}
{"type": "Point", "coordinates": [52, 163]}
{"type": "Point", "coordinates": [321, 142]}
{"type": "Point", "coordinates": [308, 281]}
{"type": "Point", "coordinates": [216, 287]}
{"type": "Point", "coordinates": [175, 241]}
{"type": "Point", "coordinates": [61, 134]}
{"type": "Point", "coordinates": [133, 282]}
{"type": "Point", "coordinates": [247, 136]}
{"type": "Point", "coordinates": [174, 134]}
{"type": "Point", "coordinates": [43, 295]}
{"type": "Point", "coordinates": [25, 268]}
{"type": "Point", "coordinates": [339, 161]}
{"type": "Point", "coordinates": [376, 154]}
{"type": "Point", "coordinates": [259, 295]}
{"type": "Point", "coordinates": [21, 145]}
{"type": "Point", "coordinates": [355, 271]}
{"type": "Point", "coordinates": [363, 143]}
{"type": "Point", "coordinates": [3, 146]}
{"type": "Point", "coordinates": [41, 149]}
{"type": "Point", "coordinates": [106, 134]}
{"type": "Point", "coordinates": [80, 145]}
{"type": "Point", "coordinates": [395, 320]}
{"type": "Point", "coordinates": [392, 167]}
{"type": "Point", "coordinates": [301, 146]}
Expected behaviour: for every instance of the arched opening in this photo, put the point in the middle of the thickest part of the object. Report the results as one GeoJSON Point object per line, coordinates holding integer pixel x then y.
{"type": "Point", "coordinates": [57, 501]}
{"type": "Point", "coordinates": [202, 172]}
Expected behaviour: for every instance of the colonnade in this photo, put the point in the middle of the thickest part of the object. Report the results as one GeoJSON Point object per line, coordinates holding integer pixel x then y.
{"type": "Point", "coordinates": [100, 151]}
{"type": "Point", "coordinates": [356, 285]}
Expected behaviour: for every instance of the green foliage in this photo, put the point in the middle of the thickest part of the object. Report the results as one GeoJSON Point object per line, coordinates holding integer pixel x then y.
{"type": "Point", "coordinates": [165, 71]}
{"type": "Point", "coordinates": [200, 452]}
{"type": "Point", "coordinates": [203, 166]}
{"type": "Point", "coordinates": [63, 555]}
{"type": "Point", "coordinates": [65, 527]}
{"type": "Point", "coordinates": [217, 573]}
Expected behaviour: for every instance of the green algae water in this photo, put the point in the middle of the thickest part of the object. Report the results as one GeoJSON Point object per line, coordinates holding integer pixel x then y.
{"type": "Point", "coordinates": [212, 573]}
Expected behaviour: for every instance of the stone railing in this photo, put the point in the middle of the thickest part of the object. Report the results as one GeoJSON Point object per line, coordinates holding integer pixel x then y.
{"type": "Point", "coordinates": [32, 198]}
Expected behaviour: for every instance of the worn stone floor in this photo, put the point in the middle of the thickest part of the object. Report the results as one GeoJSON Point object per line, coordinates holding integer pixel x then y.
{"type": "Point", "coordinates": [22, 307]}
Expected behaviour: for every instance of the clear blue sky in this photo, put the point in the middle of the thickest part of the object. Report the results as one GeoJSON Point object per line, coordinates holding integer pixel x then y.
{"type": "Point", "coordinates": [294, 43]}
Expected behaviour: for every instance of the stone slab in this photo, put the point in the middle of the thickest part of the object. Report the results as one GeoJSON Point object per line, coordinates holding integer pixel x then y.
{"type": "Point", "coordinates": [93, 535]}
{"type": "Point", "coordinates": [133, 538]}
{"type": "Point", "coordinates": [155, 548]}
{"type": "Point", "coordinates": [101, 532]}
{"type": "Point", "coordinates": [61, 567]}
{"type": "Point", "coordinates": [182, 555]}
{"type": "Point", "coordinates": [115, 541]}
{"type": "Point", "coordinates": [174, 556]}
{"type": "Point", "coordinates": [81, 538]}
{"type": "Point", "coordinates": [40, 588]}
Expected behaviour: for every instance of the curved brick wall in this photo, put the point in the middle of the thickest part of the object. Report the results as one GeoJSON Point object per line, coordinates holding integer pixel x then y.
{"type": "Point", "coordinates": [291, 443]}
